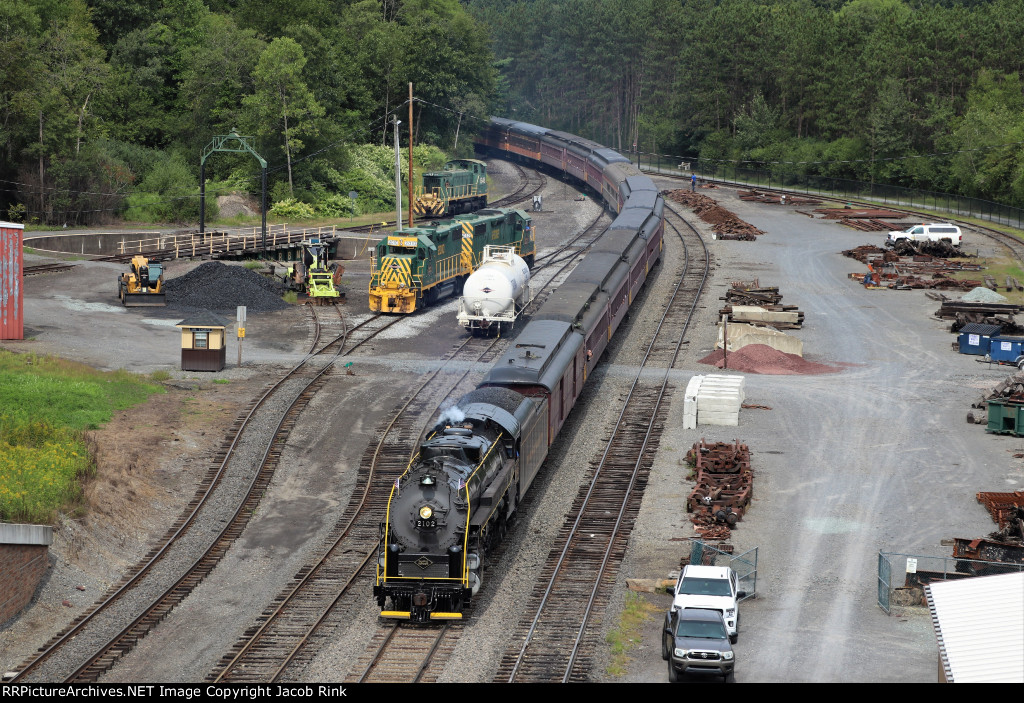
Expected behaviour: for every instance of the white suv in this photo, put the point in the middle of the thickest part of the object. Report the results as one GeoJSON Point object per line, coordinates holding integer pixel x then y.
{"type": "Point", "coordinates": [710, 588]}
{"type": "Point", "coordinates": [929, 233]}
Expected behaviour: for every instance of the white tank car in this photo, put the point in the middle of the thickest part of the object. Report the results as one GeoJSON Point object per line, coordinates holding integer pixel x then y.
{"type": "Point", "coordinates": [496, 292]}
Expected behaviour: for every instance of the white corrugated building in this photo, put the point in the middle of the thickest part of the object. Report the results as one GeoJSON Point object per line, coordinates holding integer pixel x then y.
{"type": "Point", "coordinates": [979, 625]}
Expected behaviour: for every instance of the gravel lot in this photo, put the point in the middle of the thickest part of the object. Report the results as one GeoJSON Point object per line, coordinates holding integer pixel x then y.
{"type": "Point", "coordinates": [877, 457]}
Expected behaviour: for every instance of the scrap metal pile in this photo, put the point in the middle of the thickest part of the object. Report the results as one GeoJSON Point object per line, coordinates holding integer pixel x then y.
{"type": "Point", "coordinates": [1001, 551]}
{"type": "Point", "coordinates": [1004, 546]}
{"type": "Point", "coordinates": [725, 482]}
{"type": "Point", "coordinates": [725, 224]}
{"type": "Point", "coordinates": [748, 302]}
{"type": "Point", "coordinates": [915, 269]}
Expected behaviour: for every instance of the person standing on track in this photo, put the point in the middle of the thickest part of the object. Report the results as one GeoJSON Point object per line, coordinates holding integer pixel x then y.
{"type": "Point", "coordinates": [693, 182]}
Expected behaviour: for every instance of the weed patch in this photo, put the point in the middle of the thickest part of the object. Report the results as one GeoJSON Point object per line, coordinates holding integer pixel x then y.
{"type": "Point", "coordinates": [45, 405]}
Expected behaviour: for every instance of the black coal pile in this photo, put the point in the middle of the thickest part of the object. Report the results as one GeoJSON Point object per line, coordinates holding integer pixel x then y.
{"type": "Point", "coordinates": [219, 287]}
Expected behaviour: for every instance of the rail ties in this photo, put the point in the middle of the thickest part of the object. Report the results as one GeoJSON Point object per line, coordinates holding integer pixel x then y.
{"type": "Point", "coordinates": [316, 600]}
{"type": "Point", "coordinates": [45, 268]}
{"type": "Point", "coordinates": [405, 653]}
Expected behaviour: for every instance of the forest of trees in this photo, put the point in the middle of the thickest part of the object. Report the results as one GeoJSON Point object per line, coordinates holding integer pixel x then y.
{"type": "Point", "coordinates": [106, 105]}
{"type": "Point", "coordinates": [923, 93]}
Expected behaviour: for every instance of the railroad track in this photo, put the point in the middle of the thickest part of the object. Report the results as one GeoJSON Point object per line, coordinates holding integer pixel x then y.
{"type": "Point", "coordinates": [532, 182]}
{"type": "Point", "coordinates": [1014, 244]}
{"type": "Point", "coordinates": [408, 653]}
{"type": "Point", "coordinates": [187, 553]}
{"type": "Point", "coordinates": [556, 639]}
{"type": "Point", "coordinates": [322, 594]}
{"type": "Point", "coordinates": [45, 268]}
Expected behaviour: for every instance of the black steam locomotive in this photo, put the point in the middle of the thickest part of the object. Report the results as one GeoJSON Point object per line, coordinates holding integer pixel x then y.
{"type": "Point", "coordinates": [465, 484]}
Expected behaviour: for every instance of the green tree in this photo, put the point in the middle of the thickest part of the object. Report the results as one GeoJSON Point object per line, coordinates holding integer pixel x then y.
{"type": "Point", "coordinates": [282, 104]}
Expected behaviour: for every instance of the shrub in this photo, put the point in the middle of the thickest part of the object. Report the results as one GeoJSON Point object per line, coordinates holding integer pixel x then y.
{"type": "Point", "coordinates": [292, 209]}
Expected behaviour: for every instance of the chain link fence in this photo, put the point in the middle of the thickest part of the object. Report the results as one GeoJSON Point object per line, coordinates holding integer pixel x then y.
{"type": "Point", "coordinates": [902, 577]}
{"type": "Point", "coordinates": [880, 193]}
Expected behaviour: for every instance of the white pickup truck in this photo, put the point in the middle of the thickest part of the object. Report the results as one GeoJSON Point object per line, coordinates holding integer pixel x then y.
{"type": "Point", "coordinates": [709, 588]}
{"type": "Point", "coordinates": [934, 232]}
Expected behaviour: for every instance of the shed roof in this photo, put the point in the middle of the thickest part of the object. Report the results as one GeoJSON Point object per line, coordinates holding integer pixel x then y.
{"type": "Point", "coordinates": [978, 624]}
{"type": "Point", "coordinates": [203, 319]}
{"type": "Point", "coordinates": [979, 328]}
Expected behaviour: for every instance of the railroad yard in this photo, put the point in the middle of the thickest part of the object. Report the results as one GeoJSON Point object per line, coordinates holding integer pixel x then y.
{"type": "Point", "coordinates": [865, 449]}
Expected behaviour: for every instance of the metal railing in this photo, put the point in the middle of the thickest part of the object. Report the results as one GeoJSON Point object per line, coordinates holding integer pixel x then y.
{"type": "Point", "coordinates": [195, 244]}
{"type": "Point", "coordinates": [880, 193]}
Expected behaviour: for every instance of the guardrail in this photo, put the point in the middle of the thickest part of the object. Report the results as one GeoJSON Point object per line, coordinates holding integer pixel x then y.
{"type": "Point", "coordinates": [211, 242]}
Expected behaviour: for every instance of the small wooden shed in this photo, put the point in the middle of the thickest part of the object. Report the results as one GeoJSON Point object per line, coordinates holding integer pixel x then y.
{"type": "Point", "coordinates": [203, 343]}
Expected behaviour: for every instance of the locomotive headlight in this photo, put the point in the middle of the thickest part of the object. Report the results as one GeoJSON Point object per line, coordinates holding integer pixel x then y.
{"type": "Point", "coordinates": [426, 512]}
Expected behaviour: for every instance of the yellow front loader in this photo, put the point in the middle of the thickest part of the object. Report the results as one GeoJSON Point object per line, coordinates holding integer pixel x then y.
{"type": "Point", "coordinates": [143, 285]}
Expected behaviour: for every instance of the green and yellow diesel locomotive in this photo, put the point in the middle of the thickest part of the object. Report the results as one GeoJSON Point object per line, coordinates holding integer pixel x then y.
{"type": "Point", "coordinates": [460, 186]}
{"type": "Point", "coordinates": [417, 266]}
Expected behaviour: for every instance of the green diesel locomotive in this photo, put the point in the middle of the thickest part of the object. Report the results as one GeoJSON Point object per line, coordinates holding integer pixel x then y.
{"type": "Point", "coordinates": [461, 186]}
{"type": "Point", "coordinates": [417, 266]}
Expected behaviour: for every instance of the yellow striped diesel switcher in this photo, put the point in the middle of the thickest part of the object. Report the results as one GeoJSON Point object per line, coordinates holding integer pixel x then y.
{"type": "Point", "coordinates": [415, 267]}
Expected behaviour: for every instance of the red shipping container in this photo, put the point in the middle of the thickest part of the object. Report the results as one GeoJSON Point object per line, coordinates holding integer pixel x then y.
{"type": "Point", "coordinates": [11, 280]}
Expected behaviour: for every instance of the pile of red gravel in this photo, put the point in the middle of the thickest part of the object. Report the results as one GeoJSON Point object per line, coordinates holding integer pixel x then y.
{"type": "Point", "coordinates": [760, 358]}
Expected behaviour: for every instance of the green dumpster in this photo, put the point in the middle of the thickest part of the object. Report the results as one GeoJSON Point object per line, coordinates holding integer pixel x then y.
{"type": "Point", "coordinates": [1005, 417]}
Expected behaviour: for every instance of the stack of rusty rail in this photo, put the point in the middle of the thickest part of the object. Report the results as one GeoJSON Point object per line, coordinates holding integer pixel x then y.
{"type": "Point", "coordinates": [847, 213]}
{"type": "Point", "coordinates": [725, 482]}
{"type": "Point", "coordinates": [867, 224]}
{"type": "Point", "coordinates": [756, 196]}
{"type": "Point", "coordinates": [964, 313]}
{"type": "Point", "coordinates": [724, 223]}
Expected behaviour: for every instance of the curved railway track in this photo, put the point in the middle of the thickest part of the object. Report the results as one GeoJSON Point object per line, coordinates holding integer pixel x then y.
{"type": "Point", "coordinates": [556, 635]}
{"type": "Point", "coordinates": [233, 486]}
{"type": "Point", "coordinates": [338, 581]}
{"type": "Point", "coordinates": [277, 644]}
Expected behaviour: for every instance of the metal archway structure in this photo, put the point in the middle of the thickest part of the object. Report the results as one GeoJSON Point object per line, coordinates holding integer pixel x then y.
{"type": "Point", "coordinates": [225, 142]}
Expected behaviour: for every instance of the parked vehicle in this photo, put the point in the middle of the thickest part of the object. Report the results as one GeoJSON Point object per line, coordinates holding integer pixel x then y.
{"type": "Point", "coordinates": [935, 232]}
{"type": "Point", "coordinates": [696, 641]}
{"type": "Point", "coordinates": [710, 588]}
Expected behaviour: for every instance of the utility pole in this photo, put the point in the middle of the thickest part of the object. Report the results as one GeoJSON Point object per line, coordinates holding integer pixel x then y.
{"type": "Point", "coordinates": [410, 154]}
{"type": "Point", "coordinates": [456, 147]}
{"type": "Point", "coordinates": [398, 176]}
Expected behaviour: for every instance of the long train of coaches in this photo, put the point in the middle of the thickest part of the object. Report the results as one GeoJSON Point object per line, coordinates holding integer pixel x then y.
{"type": "Point", "coordinates": [454, 502]}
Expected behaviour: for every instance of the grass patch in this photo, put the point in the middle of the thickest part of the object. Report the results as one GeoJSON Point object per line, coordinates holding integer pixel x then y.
{"type": "Point", "coordinates": [628, 633]}
{"type": "Point", "coordinates": [45, 405]}
{"type": "Point", "coordinates": [291, 296]}
{"type": "Point", "coordinates": [221, 381]}
{"type": "Point", "coordinates": [159, 376]}
{"type": "Point", "coordinates": [998, 268]}
{"type": "Point", "coordinates": [253, 265]}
